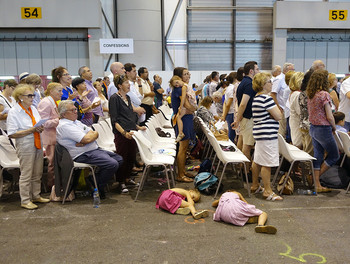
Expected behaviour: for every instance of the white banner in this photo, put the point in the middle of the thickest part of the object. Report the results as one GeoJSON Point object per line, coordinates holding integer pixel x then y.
{"type": "Point", "coordinates": [111, 46]}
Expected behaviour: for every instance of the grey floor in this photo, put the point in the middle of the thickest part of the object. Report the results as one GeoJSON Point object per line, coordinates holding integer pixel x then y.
{"type": "Point", "coordinates": [311, 229]}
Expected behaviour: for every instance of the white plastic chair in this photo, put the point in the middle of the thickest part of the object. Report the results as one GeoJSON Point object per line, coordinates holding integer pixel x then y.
{"type": "Point", "coordinates": [78, 165]}
{"type": "Point", "coordinates": [8, 158]}
{"type": "Point", "coordinates": [227, 157]}
{"type": "Point", "coordinates": [153, 160]}
{"type": "Point", "coordinates": [152, 133]}
{"type": "Point", "coordinates": [104, 140]}
{"type": "Point", "coordinates": [155, 149]}
{"type": "Point", "coordinates": [292, 154]}
{"type": "Point", "coordinates": [163, 122]}
{"type": "Point", "coordinates": [340, 146]}
{"type": "Point", "coordinates": [156, 123]}
{"type": "Point", "coordinates": [345, 140]}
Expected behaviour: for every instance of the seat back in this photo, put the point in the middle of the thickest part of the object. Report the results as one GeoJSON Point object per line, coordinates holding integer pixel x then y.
{"type": "Point", "coordinates": [283, 148]}
{"type": "Point", "coordinates": [8, 156]}
{"type": "Point", "coordinates": [345, 139]}
{"type": "Point", "coordinates": [145, 152]}
{"type": "Point", "coordinates": [339, 142]}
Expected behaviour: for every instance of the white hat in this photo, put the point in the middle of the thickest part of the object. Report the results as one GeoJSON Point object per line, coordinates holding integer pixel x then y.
{"type": "Point", "coordinates": [23, 75]}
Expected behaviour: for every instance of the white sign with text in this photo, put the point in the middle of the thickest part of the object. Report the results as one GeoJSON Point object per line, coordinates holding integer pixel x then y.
{"type": "Point", "coordinates": [117, 45]}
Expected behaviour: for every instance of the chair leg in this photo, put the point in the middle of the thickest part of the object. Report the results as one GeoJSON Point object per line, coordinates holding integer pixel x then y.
{"type": "Point", "coordinates": [246, 178]}
{"type": "Point", "coordinates": [167, 176]}
{"type": "Point", "coordinates": [285, 180]}
{"type": "Point", "coordinates": [1, 181]}
{"type": "Point", "coordinates": [144, 177]}
{"type": "Point", "coordinates": [67, 186]}
{"type": "Point", "coordinates": [342, 161]}
{"type": "Point", "coordinates": [277, 172]}
{"type": "Point", "coordinates": [222, 175]}
{"type": "Point", "coordinates": [94, 177]}
{"type": "Point", "coordinates": [217, 168]}
{"type": "Point", "coordinates": [313, 176]}
{"type": "Point", "coordinates": [141, 182]}
{"type": "Point", "coordinates": [212, 164]}
{"type": "Point", "coordinates": [172, 176]}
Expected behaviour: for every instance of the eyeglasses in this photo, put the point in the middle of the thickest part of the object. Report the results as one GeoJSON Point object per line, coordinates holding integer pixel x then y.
{"type": "Point", "coordinates": [29, 95]}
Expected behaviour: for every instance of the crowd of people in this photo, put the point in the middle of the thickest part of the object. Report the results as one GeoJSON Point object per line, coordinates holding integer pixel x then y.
{"type": "Point", "coordinates": [305, 108]}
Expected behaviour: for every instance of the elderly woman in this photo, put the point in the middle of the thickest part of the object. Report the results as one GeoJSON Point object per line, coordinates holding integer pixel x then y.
{"type": "Point", "coordinates": [6, 102]}
{"type": "Point", "coordinates": [62, 76]}
{"type": "Point", "coordinates": [47, 109]}
{"type": "Point", "coordinates": [203, 110]}
{"type": "Point", "coordinates": [294, 86]}
{"type": "Point", "coordinates": [22, 125]}
{"type": "Point", "coordinates": [266, 115]}
{"type": "Point", "coordinates": [35, 80]}
{"type": "Point", "coordinates": [333, 82]}
{"type": "Point", "coordinates": [187, 120]}
{"type": "Point", "coordinates": [322, 125]}
{"type": "Point", "coordinates": [86, 105]}
{"type": "Point", "coordinates": [123, 120]}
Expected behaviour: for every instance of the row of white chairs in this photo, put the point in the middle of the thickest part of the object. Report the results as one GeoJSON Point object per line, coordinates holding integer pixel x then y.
{"type": "Point", "coordinates": [343, 140]}
{"type": "Point", "coordinates": [224, 157]}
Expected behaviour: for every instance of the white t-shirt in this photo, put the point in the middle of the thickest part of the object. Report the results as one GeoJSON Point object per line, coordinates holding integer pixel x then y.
{"type": "Point", "coordinates": [229, 94]}
{"type": "Point", "coordinates": [7, 106]}
{"type": "Point", "coordinates": [344, 105]}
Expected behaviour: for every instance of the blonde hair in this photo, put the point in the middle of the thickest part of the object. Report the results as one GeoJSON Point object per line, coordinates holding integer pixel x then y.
{"type": "Point", "coordinates": [21, 89]}
{"type": "Point", "coordinates": [33, 79]}
{"type": "Point", "coordinates": [206, 102]}
{"type": "Point", "coordinates": [295, 81]}
{"type": "Point", "coordinates": [50, 87]}
{"type": "Point", "coordinates": [259, 80]}
{"type": "Point", "coordinates": [95, 84]}
{"type": "Point", "coordinates": [331, 78]}
{"type": "Point", "coordinates": [197, 195]}
{"type": "Point", "coordinates": [173, 79]}
{"type": "Point", "coordinates": [287, 76]}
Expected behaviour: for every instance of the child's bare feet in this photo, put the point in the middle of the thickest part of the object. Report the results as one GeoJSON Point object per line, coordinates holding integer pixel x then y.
{"type": "Point", "coordinates": [179, 137]}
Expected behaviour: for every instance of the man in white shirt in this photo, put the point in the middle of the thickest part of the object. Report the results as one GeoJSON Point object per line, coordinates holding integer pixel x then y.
{"type": "Point", "coordinates": [146, 90]}
{"type": "Point", "coordinates": [115, 68]}
{"type": "Point", "coordinates": [80, 141]}
{"type": "Point", "coordinates": [344, 105]}
{"type": "Point", "coordinates": [214, 82]}
{"type": "Point", "coordinates": [278, 94]}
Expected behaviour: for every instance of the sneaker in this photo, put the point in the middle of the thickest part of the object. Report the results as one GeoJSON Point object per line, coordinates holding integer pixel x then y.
{"type": "Point", "coordinates": [41, 200]}
{"type": "Point", "coordinates": [183, 211]}
{"type": "Point", "coordinates": [132, 183]}
{"type": "Point", "coordinates": [124, 189]}
{"type": "Point", "coordinates": [29, 206]}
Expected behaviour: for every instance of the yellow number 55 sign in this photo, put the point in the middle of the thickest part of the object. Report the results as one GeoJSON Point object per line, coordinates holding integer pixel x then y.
{"type": "Point", "coordinates": [341, 15]}
{"type": "Point", "coordinates": [31, 12]}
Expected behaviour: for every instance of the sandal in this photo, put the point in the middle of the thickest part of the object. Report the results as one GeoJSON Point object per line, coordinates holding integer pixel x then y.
{"type": "Point", "coordinates": [267, 229]}
{"type": "Point", "coordinates": [179, 137]}
{"type": "Point", "coordinates": [201, 214]}
{"type": "Point", "coordinates": [184, 179]}
{"type": "Point", "coordinates": [260, 189]}
{"type": "Point", "coordinates": [323, 190]}
{"type": "Point", "coordinates": [273, 197]}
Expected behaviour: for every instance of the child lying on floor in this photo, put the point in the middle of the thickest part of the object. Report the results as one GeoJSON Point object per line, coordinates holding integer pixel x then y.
{"type": "Point", "coordinates": [234, 209]}
{"type": "Point", "coordinates": [174, 201]}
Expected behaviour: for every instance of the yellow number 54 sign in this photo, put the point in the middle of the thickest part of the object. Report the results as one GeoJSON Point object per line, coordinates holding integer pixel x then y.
{"type": "Point", "coordinates": [31, 12]}
{"type": "Point", "coordinates": [341, 15]}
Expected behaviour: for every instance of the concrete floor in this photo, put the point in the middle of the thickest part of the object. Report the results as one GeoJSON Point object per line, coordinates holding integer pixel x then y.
{"type": "Point", "coordinates": [310, 230]}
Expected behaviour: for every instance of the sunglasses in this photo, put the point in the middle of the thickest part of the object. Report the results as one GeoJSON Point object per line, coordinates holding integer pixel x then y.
{"type": "Point", "coordinates": [29, 95]}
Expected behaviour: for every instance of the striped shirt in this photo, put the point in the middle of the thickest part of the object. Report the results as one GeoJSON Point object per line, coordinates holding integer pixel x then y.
{"type": "Point", "coordinates": [265, 127]}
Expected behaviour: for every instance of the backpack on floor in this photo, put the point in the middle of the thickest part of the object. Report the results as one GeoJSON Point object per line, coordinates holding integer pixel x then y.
{"type": "Point", "coordinates": [205, 166]}
{"type": "Point", "coordinates": [206, 182]}
{"type": "Point", "coordinates": [335, 177]}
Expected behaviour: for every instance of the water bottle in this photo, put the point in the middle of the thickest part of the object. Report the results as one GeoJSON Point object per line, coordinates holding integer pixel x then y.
{"type": "Point", "coordinates": [97, 200]}
{"type": "Point", "coordinates": [305, 192]}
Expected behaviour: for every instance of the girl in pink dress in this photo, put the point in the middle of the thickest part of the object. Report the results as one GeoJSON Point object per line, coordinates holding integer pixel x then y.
{"type": "Point", "coordinates": [174, 201]}
{"type": "Point", "coordinates": [234, 209]}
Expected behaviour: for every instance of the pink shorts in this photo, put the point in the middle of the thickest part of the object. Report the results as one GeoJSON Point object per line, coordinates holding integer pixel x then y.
{"type": "Point", "coordinates": [169, 201]}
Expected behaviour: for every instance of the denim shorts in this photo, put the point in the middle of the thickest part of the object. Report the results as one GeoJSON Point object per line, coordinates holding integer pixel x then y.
{"type": "Point", "coordinates": [323, 140]}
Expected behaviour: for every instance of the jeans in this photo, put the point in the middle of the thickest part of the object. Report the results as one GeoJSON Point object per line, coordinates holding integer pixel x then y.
{"type": "Point", "coordinates": [231, 132]}
{"type": "Point", "coordinates": [323, 140]}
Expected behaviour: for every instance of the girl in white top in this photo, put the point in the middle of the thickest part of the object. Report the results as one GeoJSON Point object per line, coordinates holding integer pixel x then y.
{"type": "Point", "coordinates": [294, 86]}
{"type": "Point", "coordinates": [104, 101]}
{"type": "Point", "coordinates": [6, 101]}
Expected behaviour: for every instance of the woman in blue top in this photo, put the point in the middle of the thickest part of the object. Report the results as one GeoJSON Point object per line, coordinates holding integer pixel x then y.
{"type": "Point", "coordinates": [61, 75]}
{"type": "Point", "coordinates": [265, 117]}
{"type": "Point", "coordinates": [187, 120]}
